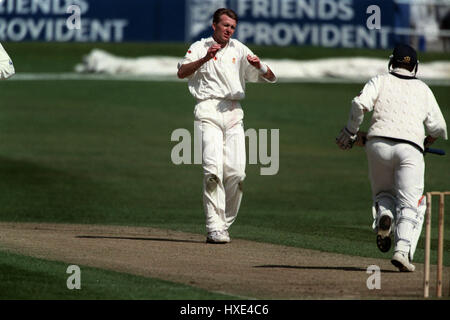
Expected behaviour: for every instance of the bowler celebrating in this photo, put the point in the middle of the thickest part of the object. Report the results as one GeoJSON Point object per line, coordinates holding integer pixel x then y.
{"type": "Point", "coordinates": [218, 68]}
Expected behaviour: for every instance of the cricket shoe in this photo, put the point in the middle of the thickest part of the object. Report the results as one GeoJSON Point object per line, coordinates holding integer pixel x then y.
{"type": "Point", "coordinates": [384, 233]}
{"type": "Point", "coordinates": [401, 261]}
{"type": "Point", "coordinates": [219, 236]}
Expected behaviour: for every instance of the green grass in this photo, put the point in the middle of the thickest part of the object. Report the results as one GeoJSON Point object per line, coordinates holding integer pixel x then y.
{"type": "Point", "coordinates": [26, 278]}
{"type": "Point", "coordinates": [99, 152]}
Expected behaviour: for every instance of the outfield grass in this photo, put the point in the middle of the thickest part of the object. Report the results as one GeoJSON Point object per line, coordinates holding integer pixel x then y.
{"type": "Point", "coordinates": [23, 278]}
{"type": "Point", "coordinates": [99, 152]}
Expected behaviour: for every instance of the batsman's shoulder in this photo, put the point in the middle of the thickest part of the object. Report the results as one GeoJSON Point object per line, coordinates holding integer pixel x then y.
{"type": "Point", "coordinates": [380, 76]}
{"type": "Point", "coordinates": [376, 80]}
{"type": "Point", "coordinates": [425, 86]}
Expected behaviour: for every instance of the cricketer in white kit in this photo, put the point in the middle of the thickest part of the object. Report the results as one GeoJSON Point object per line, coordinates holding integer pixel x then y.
{"type": "Point", "coordinates": [6, 65]}
{"type": "Point", "coordinates": [218, 68]}
{"type": "Point", "coordinates": [403, 107]}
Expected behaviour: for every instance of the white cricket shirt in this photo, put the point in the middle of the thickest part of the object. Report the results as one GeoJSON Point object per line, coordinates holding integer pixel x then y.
{"type": "Point", "coordinates": [6, 65]}
{"type": "Point", "coordinates": [224, 76]}
{"type": "Point", "coordinates": [401, 108]}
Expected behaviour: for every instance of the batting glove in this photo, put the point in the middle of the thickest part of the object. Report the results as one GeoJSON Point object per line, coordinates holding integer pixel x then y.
{"type": "Point", "coordinates": [346, 139]}
{"type": "Point", "coordinates": [429, 140]}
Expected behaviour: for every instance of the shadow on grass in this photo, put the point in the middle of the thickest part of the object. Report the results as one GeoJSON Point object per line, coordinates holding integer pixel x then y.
{"type": "Point", "coordinates": [320, 268]}
{"type": "Point", "coordinates": [140, 238]}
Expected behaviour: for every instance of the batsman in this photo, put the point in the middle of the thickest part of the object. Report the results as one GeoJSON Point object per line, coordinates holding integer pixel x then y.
{"type": "Point", "coordinates": [404, 109]}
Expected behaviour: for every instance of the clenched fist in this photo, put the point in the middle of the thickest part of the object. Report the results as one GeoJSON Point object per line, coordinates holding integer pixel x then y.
{"type": "Point", "coordinates": [254, 61]}
{"type": "Point", "coordinates": [211, 53]}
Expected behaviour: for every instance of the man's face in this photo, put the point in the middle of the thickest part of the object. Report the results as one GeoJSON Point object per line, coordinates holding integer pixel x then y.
{"type": "Point", "coordinates": [224, 29]}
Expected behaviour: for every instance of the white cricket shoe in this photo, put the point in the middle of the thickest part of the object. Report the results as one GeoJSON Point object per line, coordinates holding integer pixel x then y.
{"type": "Point", "coordinates": [219, 236]}
{"type": "Point", "coordinates": [401, 261]}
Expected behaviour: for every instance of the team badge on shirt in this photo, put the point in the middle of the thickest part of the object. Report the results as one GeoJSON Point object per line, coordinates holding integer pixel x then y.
{"type": "Point", "coordinates": [234, 60]}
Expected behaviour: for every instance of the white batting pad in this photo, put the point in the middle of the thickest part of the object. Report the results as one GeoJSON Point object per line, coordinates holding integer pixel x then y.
{"type": "Point", "coordinates": [384, 204]}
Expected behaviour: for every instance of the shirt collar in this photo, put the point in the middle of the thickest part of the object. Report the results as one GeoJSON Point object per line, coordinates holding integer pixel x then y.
{"type": "Point", "coordinates": [403, 72]}
{"type": "Point", "coordinates": [211, 41]}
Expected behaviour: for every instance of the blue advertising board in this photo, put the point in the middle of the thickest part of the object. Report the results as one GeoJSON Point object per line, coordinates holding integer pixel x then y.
{"type": "Point", "coordinates": [329, 23]}
{"type": "Point", "coordinates": [101, 20]}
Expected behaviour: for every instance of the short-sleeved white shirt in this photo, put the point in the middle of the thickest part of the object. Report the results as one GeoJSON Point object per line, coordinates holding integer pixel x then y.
{"type": "Point", "coordinates": [224, 76]}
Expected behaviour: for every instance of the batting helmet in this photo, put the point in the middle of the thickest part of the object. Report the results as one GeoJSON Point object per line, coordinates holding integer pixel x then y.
{"type": "Point", "coordinates": [404, 56]}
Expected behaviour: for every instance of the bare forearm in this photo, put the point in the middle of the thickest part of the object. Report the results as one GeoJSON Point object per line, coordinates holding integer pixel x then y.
{"type": "Point", "coordinates": [189, 68]}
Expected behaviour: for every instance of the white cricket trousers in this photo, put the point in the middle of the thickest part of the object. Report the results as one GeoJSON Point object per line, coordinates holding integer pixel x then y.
{"type": "Point", "coordinates": [223, 160]}
{"type": "Point", "coordinates": [397, 169]}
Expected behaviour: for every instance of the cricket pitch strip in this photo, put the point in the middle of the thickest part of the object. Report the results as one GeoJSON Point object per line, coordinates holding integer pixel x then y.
{"type": "Point", "coordinates": [247, 269]}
